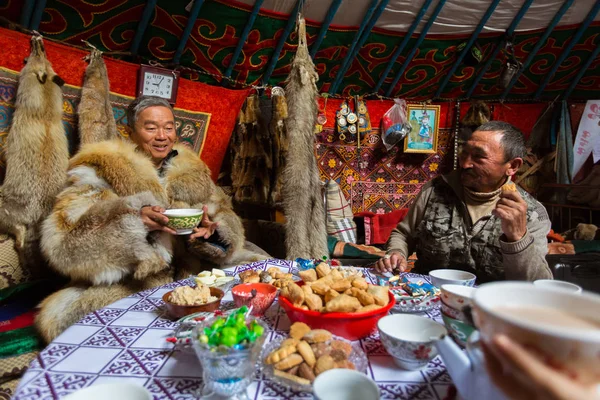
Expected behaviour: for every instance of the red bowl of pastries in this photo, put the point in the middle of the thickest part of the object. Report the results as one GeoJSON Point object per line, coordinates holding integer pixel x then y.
{"type": "Point", "coordinates": [350, 325]}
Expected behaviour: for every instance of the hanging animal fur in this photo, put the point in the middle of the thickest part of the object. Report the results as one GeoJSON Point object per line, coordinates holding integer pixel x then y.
{"type": "Point", "coordinates": [303, 206]}
{"type": "Point", "coordinates": [96, 119]}
{"type": "Point", "coordinates": [279, 143]}
{"type": "Point", "coordinates": [37, 153]}
{"type": "Point", "coordinates": [477, 114]}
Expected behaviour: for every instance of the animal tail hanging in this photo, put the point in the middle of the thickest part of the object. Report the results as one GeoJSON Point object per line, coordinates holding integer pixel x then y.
{"type": "Point", "coordinates": [303, 206]}
{"type": "Point", "coordinates": [96, 119]}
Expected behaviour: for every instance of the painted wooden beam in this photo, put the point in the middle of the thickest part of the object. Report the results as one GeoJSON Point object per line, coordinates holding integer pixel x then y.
{"type": "Point", "coordinates": [142, 25]}
{"type": "Point", "coordinates": [325, 26]}
{"type": "Point", "coordinates": [581, 72]}
{"type": "Point", "coordinates": [563, 55]}
{"type": "Point", "coordinates": [36, 16]}
{"type": "Point", "coordinates": [509, 32]}
{"type": "Point", "coordinates": [412, 53]}
{"type": "Point", "coordinates": [467, 48]}
{"type": "Point", "coordinates": [284, 35]}
{"type": "Point", "coordinates": [403, 44]}
{"type": "Point", "coordinates": [26, 12]}
{"type": "Point", "coordinates": [243, 38]}
{"type": "Point", "coordinates": [194, 12]}
{"type": "Point", "coordinates": [363, 39]}
{"type": "Point", "coordinates": [539, 43]}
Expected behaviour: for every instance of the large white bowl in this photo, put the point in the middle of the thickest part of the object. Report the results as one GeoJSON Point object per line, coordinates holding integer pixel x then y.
{"type": "Point", "coordinates": [575, 350]}
{"type": "Point", "coordinates": [345, 384]}
{"type": "Point", "coordinates": [409, 339]}
{"type": "Point", "coordinates": [456, 296]}
{"type": "Point", "coordinates": [441, 277]}
{"type": "Point", "coordinates": [112, 391]}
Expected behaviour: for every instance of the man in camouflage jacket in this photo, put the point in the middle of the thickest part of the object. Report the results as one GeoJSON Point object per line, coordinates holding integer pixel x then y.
{"type": "Point", "coordinates": [464, 220]}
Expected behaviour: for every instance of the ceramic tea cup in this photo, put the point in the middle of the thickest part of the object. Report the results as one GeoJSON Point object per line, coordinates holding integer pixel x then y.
{"type": "Point", "coordinates": [556, 284]}
{"type": "Point", "coordinates": [441, 277]}
{"type": "Point", "coordinates": [456, 296]}
{"type": "Point", "coordinates": [184, 220]}
{"type": "Point", "coordinates": [409, 339]}
{"type": "Point", "coordinates": [563, 326]}
{"type": "Point", "coordinates": [459, 330]}
{"type": "Point", "coordinates": [344, 384]}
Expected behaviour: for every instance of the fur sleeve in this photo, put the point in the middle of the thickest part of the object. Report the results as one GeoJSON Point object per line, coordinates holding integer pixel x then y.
{"type": "Point", "coordinates": [93, 235]}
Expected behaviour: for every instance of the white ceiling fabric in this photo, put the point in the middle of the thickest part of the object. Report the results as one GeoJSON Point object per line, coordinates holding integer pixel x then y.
{"type": "Point", "coordinates": [457, 16]}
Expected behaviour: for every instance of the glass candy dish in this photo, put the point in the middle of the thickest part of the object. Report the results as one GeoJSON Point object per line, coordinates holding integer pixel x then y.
{"type": "Point", "coordinates": [227, 372]}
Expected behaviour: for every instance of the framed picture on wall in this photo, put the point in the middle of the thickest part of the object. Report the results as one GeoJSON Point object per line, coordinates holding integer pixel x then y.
{"type": "Point", "coordinates": [425, 122]}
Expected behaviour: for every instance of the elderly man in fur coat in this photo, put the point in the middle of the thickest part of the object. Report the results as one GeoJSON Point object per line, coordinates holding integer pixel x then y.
{"type": "Point", "coordinates": [107, 231]}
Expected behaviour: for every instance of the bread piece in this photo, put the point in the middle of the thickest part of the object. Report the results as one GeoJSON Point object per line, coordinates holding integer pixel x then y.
{"type": "Point", "coordinates": [250, 276]}
{"type": "Point", "coordinates": [285, 292]}
{"type": "Point", "coordinates": [293, 370]}
{"type": "Point", "coordinates": [314, 302]}
{"type": "Point", "coordinates": [320, 349]}
{"type": "Point", "coordinates": [323, 269]}
{"type": "Point", "coordinates": [306, 372]}
{"type": "Point", "coordinates": [320, 287]}
{"type": "Point", "coordinates": [298, 330]}
{"type": "Point", "coordinates": [289, 362]}
{"type": "Point", "coordinates": [317, 336]}
{"type": "Point", "coordinates": [380, 294]}
{"type": "Point", "coordinates": [281, 283]}
{"type": "Point", "coordinates": [306, 289]}
{"type": "Point", "coordinates": [341, 285]}
{"type": "Point", "coordinates": [338, 355]}
{"type": "Point", "coordinates": [289, 342]}
{"type": "Point", "coordinates": [360, 283]}
{"type": "Point", "coordinates": [336, 275]}
{"type": "Point", "coordinates": [509, 187]}
{"type": "Point", "coordinates": [368, 308]}
{"type": "Point", "coordinates": [310, 275]}
{"type": "Point", "coordinates": [296, 294]}
{"type": "Point", "coordinates": [279, 354]}
{"type": "Point", "coordinates": [307, 353]}
{"type": "Point", "coordinates": [362, 296]}
{"type": "Point", "coordinates": [341, 345]}
{"type": "Point", "coordinates": [345, 364]}
{"type": "Point", "coordinates": [323, 364]}
{"type": "Point", "coordinates": [273, 271]}
{"type": "Point", "coordinates": [343, 303]}
{"type": "Point", "coordinates": [331, 294]}
{"type": "Point", "coordinates": [291, 377]}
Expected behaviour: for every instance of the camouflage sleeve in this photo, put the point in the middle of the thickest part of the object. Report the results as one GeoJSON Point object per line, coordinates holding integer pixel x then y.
{"type": "Point", "coordinates": [402, 238]}
{"type": "Point", "coordinates": [526, 259]}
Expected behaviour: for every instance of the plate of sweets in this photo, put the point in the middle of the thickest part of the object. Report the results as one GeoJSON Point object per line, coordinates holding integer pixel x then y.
{"type": "Point", "coordinates": [414, 296]}
{"type": "Point", "coordinates": [294, 362]}
{"type": "Point", "coordinates": [215, 278]}
{"type": "Point", "coordinates": [273, 276]}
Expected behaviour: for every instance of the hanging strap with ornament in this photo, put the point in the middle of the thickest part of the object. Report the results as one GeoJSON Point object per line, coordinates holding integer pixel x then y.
{"type": "Point", "coordinates": [321, 116]}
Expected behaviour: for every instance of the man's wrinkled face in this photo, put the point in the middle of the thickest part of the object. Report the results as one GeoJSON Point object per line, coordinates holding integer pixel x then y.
{"type": "Point", "coordinates": [482, 161]}
{"type": "Point", "coordinates": [155, 133]}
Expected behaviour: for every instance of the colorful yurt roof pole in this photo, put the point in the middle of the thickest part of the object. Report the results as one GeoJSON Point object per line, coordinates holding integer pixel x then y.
{"type": "Point", "coordinates": [195, 11]}
{"type": "Point", "coordinates": [144, 22]}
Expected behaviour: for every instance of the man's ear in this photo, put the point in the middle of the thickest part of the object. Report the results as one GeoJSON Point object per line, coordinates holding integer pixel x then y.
{"type": "Point", "coordinates": [513, 166]}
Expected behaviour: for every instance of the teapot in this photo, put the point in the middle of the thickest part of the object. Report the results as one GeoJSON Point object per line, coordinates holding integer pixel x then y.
{"type": "Point", "coordinates": [467, 368]}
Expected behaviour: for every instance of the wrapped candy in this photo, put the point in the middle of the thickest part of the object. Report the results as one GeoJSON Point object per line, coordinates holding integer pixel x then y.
{"type": "Point", "coordinates": [419, 288]}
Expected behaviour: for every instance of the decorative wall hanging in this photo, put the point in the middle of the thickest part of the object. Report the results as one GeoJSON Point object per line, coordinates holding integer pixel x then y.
{"type": "Point", "coordinates": [322, 117]}
{"type": "Point", "coordinates": [342, 120]}
{"type": "Point", "coordinates": [303, 206]}
{"type": "Point", "coordinates": [423, 137]}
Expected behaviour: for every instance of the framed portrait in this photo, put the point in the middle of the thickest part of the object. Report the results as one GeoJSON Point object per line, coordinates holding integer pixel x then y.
{"type": "Point", "coordinates": [425, 122]}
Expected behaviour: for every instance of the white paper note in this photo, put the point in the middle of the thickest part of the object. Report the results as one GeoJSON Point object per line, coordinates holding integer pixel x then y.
{"type": "Point", "coordinates": [587, 135]}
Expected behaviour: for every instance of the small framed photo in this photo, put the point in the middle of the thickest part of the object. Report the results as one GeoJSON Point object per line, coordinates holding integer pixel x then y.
{"type": "Point", "coordinates": [425, 121]}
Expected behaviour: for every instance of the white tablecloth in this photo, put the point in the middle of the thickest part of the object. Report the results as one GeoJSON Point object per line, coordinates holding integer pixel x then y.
{"type": "Point", "coordinates": [126, 341]}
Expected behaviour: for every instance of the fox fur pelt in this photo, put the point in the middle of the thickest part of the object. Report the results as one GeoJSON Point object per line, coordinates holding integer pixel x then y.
{"type": "Point", "coordinates": [36, 154]}
{"type": "Point", "coordinates": [96, 120]}
{"type": "Point", "coordinates": [96, 237]}
{"type": "Point", "coordinates": [303, 206]}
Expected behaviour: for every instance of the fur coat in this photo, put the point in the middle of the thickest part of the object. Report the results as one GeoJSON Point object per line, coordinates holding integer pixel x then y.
{"type": "Point", "coordinates": [96, 237]}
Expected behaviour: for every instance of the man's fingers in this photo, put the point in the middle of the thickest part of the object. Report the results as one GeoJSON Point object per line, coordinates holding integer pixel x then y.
{"type": "Point", "coordinates": [169, 230]}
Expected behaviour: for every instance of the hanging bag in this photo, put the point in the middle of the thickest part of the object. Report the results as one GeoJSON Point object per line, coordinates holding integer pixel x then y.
{"type": "Point", "coordinates": [395, 125]}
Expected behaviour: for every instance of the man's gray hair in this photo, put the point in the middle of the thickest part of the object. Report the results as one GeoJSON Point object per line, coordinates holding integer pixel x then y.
{"type": "Point", "coordinates": [140, 104]}
{"type": "Point", "coordinates": [513, 141]}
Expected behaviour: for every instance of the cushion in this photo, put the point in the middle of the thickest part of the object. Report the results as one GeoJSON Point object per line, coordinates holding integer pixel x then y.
{"type": "Point", "coordinates": [340, 220]}
{"type": "Point", "coordinates": [11, 273]}
{"type": "Point", "coordinates": [378, 227]}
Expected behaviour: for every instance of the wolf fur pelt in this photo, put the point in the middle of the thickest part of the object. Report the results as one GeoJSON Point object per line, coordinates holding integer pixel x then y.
{"type": "Point", "coordinates": [96, 120]}
{"type": "Point", "coordinates": [36, 154]}
{"type": "Point", "coordinates": [96, 237]}
{"type": "Point", "coordinates": [306, 236]}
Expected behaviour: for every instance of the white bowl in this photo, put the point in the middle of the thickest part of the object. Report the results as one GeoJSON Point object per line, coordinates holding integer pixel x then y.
{"type": "Point", "coordinates": [456, 296]}
{"type": "Point", "coordinates": [409, 339]}
{"type": "Point", "coordinates": [560, 285]}
{"type": "Point", "coordinates": [441, 277]}
{"type": "Point", "coordinates": [112, 391]}
{"type": "Point", "coordinates": [344, 384]}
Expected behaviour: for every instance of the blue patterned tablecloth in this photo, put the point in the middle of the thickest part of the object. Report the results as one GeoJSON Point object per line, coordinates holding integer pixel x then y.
{"type": "Point", "coordinates": [126, 341]}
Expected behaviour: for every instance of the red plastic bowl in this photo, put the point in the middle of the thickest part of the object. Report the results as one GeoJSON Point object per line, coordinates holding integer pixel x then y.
{"type": "Point", "coordinates": [352, 326]}
{"type": "Point", "coordinates": [260, 303]}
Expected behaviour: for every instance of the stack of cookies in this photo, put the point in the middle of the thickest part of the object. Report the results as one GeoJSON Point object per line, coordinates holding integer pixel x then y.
{"type": "Point", "coordinates": [331, 290]}
{"type": "Point", "coordinates": [308, 353]}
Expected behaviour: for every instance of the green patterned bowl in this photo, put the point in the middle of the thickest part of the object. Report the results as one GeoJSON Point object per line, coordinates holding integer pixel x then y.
{"type": "Point", "coordinates": [184, 220]}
